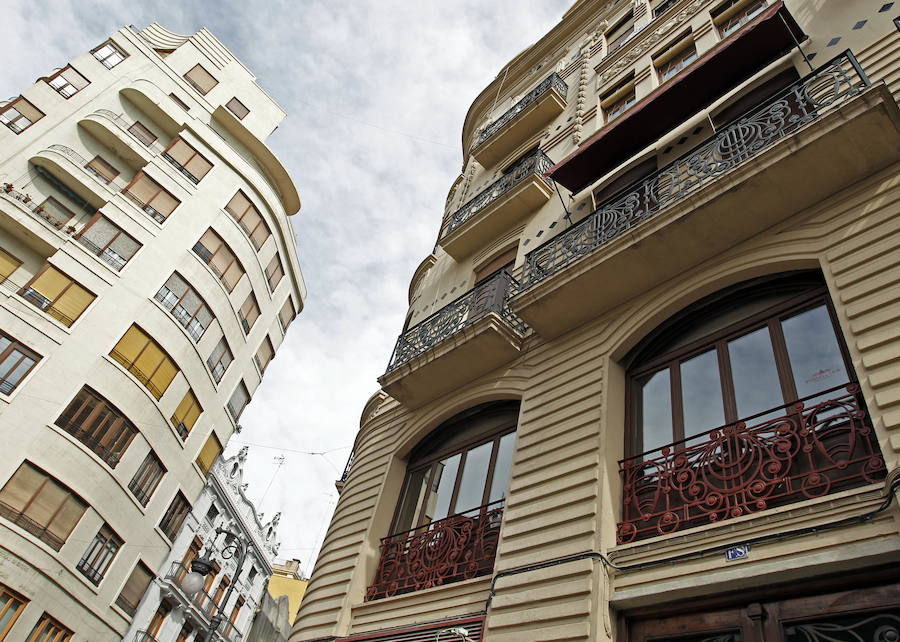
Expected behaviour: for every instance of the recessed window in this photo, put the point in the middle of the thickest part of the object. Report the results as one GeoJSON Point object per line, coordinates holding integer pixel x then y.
{"type": "Point", "coordinates": [100, 554]}
{"type": "Point", "coordinates": [200, 79]}
{"type": "Point", "coordinates": [620, 33]}
{"type": "Point", "coordinates": [239, 400]}
{"type": "Point", "coordinates": [147, 478]}
{"type": "Point", "coordinates": [16, 361]}
{"type": "Point", "coordinates": [249, 312]}
{"type": "Point", "coordinates": [150, 196]}
{"type": "Point", "coordinates": [220, 258]}
{"type": "Point", "coordinates": [734, 14]}
{"type": "Point", "coordinates": [41, 505]}
{"type": "Point", "coordinates": [8, 264]}
{"type": "Point", "coordinates": [11, 606]}
{"type": "Point", "coordinates": [672, 60]}
{"type": "Point", "coordinates": [102, 169]}
{"type": "Point", "coordinates": [109, 54]}
{"type": "Point", "coordinates": [134, 589]}
{"type": "Point", "coordinates": [286, 314]}
{"type": "Point", "coordinates": [56, 212]}
{"type": "Point", "coordinates": [212, 514]}
{"type": "Point", "coordinates": [145, 360]}
{"type": "Point", "coordinates": [274, 272]}
{"type": "Point", "coordinates": [108, 241]}
{"type": "Point", "coordinates": [187, 160]}
{"type": "Point", "coordinates": [618, 100]}
{"type": "Point", "coordinates": [220, 359]}
{"type": "Point", "coordinates": [67, 82]}
{"type": "Point", "coordinates": [19, 115]}
{"type": "Point", "coordinates": [175, 516]}
{"type": "Point", "coordinates": [248, 217]}
{"type": "Point", "coordinates": [186, 414]}
{"type": "Point", "coordinates": [265, 354]}
{"type": "Point", "coordinates": [186, 305]}
{"type": "Point", "coordinates": [179, 102]}
{"type": "Point", "coordinates": [662, 6]}
{"type": "Point", "coordinates": [49, 630]}
{"type": "Point", "coordinates": [237, 108]}
{"type": "Point", "coordinates": [144, 135]}
{"type": "Point", "coordinates": [99, 425]}
{"type": "Point", "coordinates": [209, 454]}
{"type": "Point", "coordinates": [57, 294]}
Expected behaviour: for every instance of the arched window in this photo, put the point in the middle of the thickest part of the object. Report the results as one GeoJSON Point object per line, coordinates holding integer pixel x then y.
{"type": "Point", "coordinates": [454, 491]}
{"type": "Point", "coordinates": [745, 401]}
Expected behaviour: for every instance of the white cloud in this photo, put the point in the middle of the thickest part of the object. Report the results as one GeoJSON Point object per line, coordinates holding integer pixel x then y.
{"type": "Point", "coordinates": [376, 92]}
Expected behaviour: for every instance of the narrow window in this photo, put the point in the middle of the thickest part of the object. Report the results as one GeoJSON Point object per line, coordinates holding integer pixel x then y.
{"type": "Point", "coordinates": [109, 54]}
{"type": "Point", "coordinates": [187, 160]}
{"type": "Point", "coordinates": [186, 414]}
{"type": "Point", "coordinates": [134, 588]}
{"type": "Point", "coordinates": [99, 554]}
{"type": "Point", "coordinates": [184, 633]}
{"type": "Point", "coordinates": [220, 589]}
{"type": "Point", "coordinates": [19, 115]}
{"type": "Point", "coordinates": [661, 7]}
{"type": "Point", "coordinates": [102, 170]}
{"type": "Point", "coordinates": [619, 99]}
{"type": "Point", "coordinates": [236, 609]}
{"type": "Point", "coordinates": [8, 264]}
{"type": "Point", "coordinates": [174, 516]}
{"type": "Point", "coordinates": [274, 272]}
{"type": "Point", "coordinates": [251, 575]}
{"type": "Point", "coordinates": [248, 217]}
{"type": "Point", "coordinates": [620, 33]}
{"type": "Point", "coordinates": [237, 108]}
{"type": "Point", "coordinates": [209, 454]}
{"type": "Point", "coordinates": [220, 359]}
{"type": "Point", "coordinates": [220, 258]}
{"type": "Point", "coordinates": [108, 241]}
{"type": "Point", "coordinates": [672, 60]}
{"type": "Point", "coordinates": [57, 294]}
{"type": "Point", "coordinates": [49, 630]}
{"type": "Point", "coordinates": [212, 514]}
{"type": "Point", "coordinates": [150, 196]}
{"type": "Point", "coordinates": [145, 360]}
{"type": "Point", "coordinates": [264, 354]}
{"type": "Point", "coordinates": [186, 305]}
{"type": "Point", "coordinates": [67, 82]}
{"type": "Point", "coordinates": [249, 312]}
{"type": "Point", "coordinates": [200, 79]}
{"type": "Point", "coordinates": [156, 622]}
{"type": "Point", "coordinates": [16, 361]}
{"type": "Point", "coordinates": [147, 478]}
{"type": "Point", "coordinates": [734, 14]}
{"type": "Point", "coordinates": [144, 135]}
{"type": "Point", "coordinates": [179, 102]}
{"type": "Point", "coordinates": [286, 314]}
{"type": "Point", "coordinates": [99, 425]}
{"type": "Point", "coordinates": [239, 400]}
{"type": "Point", "coordinates": [41, 505]}
{"type": "Point", "coordinates": [11, 606]}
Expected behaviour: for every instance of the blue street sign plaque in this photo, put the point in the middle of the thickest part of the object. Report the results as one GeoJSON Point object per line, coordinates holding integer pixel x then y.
{"type": "Point", "coordinates": [736, 553]}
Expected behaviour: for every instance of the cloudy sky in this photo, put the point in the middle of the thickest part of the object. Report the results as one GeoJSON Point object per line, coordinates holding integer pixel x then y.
{"type": "Point", "coordinates": [376, 92]}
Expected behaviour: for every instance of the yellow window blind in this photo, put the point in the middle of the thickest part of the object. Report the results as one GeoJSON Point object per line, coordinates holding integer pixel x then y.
{"type": "Point", "coordinates": [8, 264]}
{"type": "Point", "coordinates": [210, 452]}
{"type": "Point", "coordinates": [186, 413]}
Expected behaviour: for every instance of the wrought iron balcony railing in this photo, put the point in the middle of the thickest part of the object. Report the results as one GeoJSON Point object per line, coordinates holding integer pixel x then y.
{"type": "Point", "coordinates": [477, 303]}
{"type": "Point", "coordinates": [452, 549]}
{"type": "Point", "coordinates": [534, 163]}
{"type": "Point", "coordinates": [803, 102]}
{"type": "Point", "coordinates": [35, 528]}
{"type": "Point", "coordinates": [125, 125]}
{"type": "Point", "coordinates": [553, 81]}
{"type": "Point", "coordinates": [143, 636]}
{"type": "Point", "coordinates": [811, 448]}
{"type": "Point", "coordinates": [82, 162]}
{"type": "Point", "coordinates": [107, 254]}
{"type": "Point", "coordinates": [39, 210]}
{"type": "Point", "coordinates": [181, 168]}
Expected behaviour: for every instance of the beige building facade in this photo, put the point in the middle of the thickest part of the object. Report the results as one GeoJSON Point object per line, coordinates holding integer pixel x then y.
{"type": "Point", "coordinates": [648, 386]}
{"type": "Point", "coordinates": [149, 275]}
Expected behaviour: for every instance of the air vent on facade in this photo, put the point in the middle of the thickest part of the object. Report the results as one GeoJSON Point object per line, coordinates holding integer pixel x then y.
{"type": "Point", "coordinates": [446, 631]}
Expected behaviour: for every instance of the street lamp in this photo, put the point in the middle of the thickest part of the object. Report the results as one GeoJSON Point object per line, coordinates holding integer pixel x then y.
{"type": "Point", "coordinates": [202, 566]}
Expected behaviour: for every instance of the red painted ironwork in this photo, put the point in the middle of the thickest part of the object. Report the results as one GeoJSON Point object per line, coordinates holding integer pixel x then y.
{"type": "Point", "coordinates": [816, 446]}
{"type": "Point", "coordinates": [452, 549]}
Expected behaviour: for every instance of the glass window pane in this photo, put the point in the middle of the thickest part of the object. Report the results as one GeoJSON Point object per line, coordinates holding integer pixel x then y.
{"type": "Point", "coordinates": [502, 468]}
{"type": "Point", "coordinates": [441, 490]}
{"type": "Point", "coordinates": [755, 376]}
{"type": "Point", "coordinates": [412, 500]}
{"type": "Point", "coordinates": [816, 359]}
{"type": "Point", "coordinates": [655, 421]}
{"type": "Point", "coordinates": [474, 477]}
{"type": "Point", "coordinates": [701, 394]}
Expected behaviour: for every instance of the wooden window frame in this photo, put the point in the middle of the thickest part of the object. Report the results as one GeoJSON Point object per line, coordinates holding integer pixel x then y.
{"type": "Point", "coordinates": [173, 519]}
{"type": "Point", "coordinates": [50, 309]}
{"type": "Point", "coordinates": [13, 596]}
{"type": "Point", "coordinates": [11, 123]}
{"type": "Point", "coordinates": [104, 252]}
{"type": "Point", "coordinates": [100, 554]}
{"type": "Point", "coordinates": [259, 364]}
{"type": "Point", "coordinates": [183, 168]}
{"type": "Point", "coordinates": [239, 218]}
{"type": "Point", "coordinates": [181, 428]}
{"type": "Point", "coordinates": [246, 325]}
{"type": "Point", "coordinates": [140, 376]}
{"type": "Point", "coordinates": [25, 351]}
{"type": "Point", "coordinates": [731, 15]}
{"type": "Point", "coordinates": [213, 365]}
{"type": "Point", "coordinates": [97, 420]}
{"type": "Point", "coordinates": [145, 480]}
{"type": "Point", "coordinates": [242, 108]}
{"type": "Point", "coordinates": [142, 129]}
{"type": "Point", "coordinates": [619, 99]}
{"type": "Point", "coordinates": [220, 273]}
{"type": "Point", "coordinates": [276, 274]}
{"type": "Point", "coordinates": [116, 50]}
{"type": "Point", "coordinates": [193, 83]}
{"type": "Point", "coordinates": [39, 632]}
{"type": "Point", "coordinates": [154, 213]}
{"type": "Point", "coordinates": [185, 322]}
{"type": "Point", "coordinates": [59, 74]}
{"type": "Point", "coordinates": [124, 604]}
{"type": "Point", "coordinates": [675, 58]}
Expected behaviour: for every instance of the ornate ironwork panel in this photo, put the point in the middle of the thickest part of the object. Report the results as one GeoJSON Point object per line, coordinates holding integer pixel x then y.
{"type": "Point", "coordinates": [805, 101]}
{"type": "Point", "coordinates": [490, 296]}
{"type": "Point", "coordinates": [535, 163]}
{"type": "Point", "coordinates": [457, 548]}
{"type": "Point", "coordinates": [864, 627]}
{"type": "Point", "coordinates": [809, 449]}
{"type": "Point", "coordinates": [553, 81]}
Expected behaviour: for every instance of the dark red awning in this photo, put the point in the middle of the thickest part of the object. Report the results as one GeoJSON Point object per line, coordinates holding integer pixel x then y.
{"type": "Point", "coordinates": [722, 68]}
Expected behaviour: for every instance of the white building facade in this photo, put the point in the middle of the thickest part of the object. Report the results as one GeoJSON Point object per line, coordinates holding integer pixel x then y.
{"type": "Point", "coordinates": [167, 613]}
{"type": "Point", "coordinates": [149, 273]}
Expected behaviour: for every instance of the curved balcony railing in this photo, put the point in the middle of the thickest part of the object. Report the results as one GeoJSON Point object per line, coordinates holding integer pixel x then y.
{"type": "Point", "coordinates": [477, 303]}
{"type": "Point", "coordinates": [77, 159]}
{"type": "Point", "coordinates": [534, 163]}
{"type": "Point", "coordinates": [452, 549]}
{"type": "Point", "coordinates": [553, 81]}
{"type": "Point", "coordinates": [123, 124]}
{"type": "Point", "coordinates": [804, 102]}
{"type": "Point", "coordinates": [39, 210]}
{"type": "Point", "coordinates": [808, 449]}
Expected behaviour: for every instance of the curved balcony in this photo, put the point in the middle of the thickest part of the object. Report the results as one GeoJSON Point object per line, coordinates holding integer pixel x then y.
{"type": "Point", "coordinates": [534, 110]}
{"type": "Point", "coordinates": [39, 228]}
{"type": "Point", "coordinates": [498, 207]}
{"type": "Point", "coordinates": [823, 133]}
{"type": "Point", "coordinates": [111, 130]}
{"type": "Point", "coordinates": [156, 104]}
{"type": "Point", "coordinates": [470, 336]}
{"type": "Point", "coordinates": [70, 168]}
